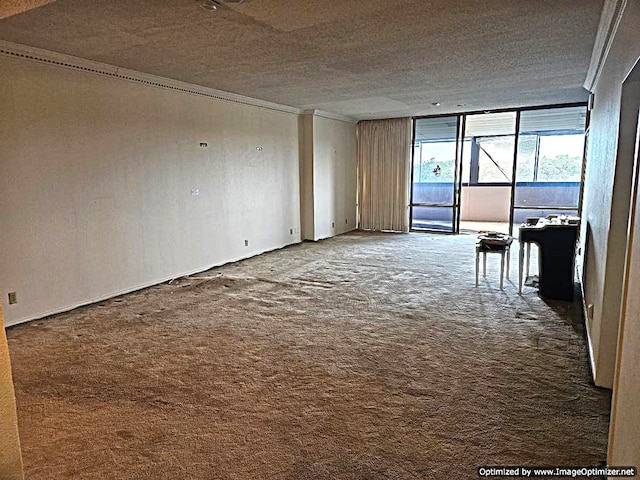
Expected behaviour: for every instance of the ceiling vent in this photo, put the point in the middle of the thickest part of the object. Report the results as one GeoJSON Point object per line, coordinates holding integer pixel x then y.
{"type": "Point", "coordinates": [215, 4]}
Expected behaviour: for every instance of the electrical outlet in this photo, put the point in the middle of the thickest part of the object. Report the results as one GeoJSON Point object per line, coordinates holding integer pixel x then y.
{"type": "Point", "coordinates": [195, 192]}
{"type": "Point", "coordinates": [346, 221]}
{"type": "Point", "coordinates": [13, 298]}
{"type": "Point", "coordinates": [291, 231]}
{"type": "Point", "coordinates": [296, 230]}
{"type": "Point", "coordinates": [333, 224]}
{"type": "Point", "coordinates": [246, 243]}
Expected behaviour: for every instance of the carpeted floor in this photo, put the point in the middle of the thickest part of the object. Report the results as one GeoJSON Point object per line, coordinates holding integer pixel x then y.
{"type": "Point", "coordinates": [366, 356]}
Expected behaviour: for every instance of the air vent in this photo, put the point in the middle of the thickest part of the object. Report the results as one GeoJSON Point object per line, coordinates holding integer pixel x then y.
{"type": "Point", "coordinates": [214, 4]}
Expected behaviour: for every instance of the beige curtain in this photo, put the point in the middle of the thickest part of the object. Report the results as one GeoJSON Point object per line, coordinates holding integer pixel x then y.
{"type": "Point", "coordinates": [384, 148]}
{"type": "Point", "coordinates": [10, 458]}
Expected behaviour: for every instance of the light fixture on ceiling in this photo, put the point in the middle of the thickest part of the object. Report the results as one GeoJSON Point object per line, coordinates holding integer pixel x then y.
{"type": "Point", "coordinates": [436, 104]}
{"type": "Point", "coordinates": [210, 4]}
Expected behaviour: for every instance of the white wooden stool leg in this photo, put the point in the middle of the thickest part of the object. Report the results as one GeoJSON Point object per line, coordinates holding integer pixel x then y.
{"type": "Point", "coordinates": [528, 258]}
{"type": "Point", "coordinates": [477, 264]}
{"type": "Point", "coordinates": [520, 266]}
{"type": "Point", "coordinates": [502, 269]}
{"type": "Point", "coordinates": [484, 265]}
{"type": "Point", "coordinates": [508, 251]}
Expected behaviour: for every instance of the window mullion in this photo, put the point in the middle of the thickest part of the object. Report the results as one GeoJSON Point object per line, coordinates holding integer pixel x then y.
{"type": "Point", "coordinates": [536, 160]}
{"type": "Point", "coordinates": [474, 169]}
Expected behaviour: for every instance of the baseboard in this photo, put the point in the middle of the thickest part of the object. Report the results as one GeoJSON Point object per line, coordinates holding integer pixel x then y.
{"type": "Point", "coordinates": [336, 234]}
{"type": "Point", "coordinates": [136, 288]}
{"type": "Point", "coordinates": [592, 362]}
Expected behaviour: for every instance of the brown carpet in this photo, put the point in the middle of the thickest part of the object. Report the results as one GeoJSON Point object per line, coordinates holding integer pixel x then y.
{"type": "Point", "coordinates": [366, 356]}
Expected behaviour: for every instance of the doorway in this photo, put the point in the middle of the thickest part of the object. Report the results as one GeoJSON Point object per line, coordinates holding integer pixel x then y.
{"type": "Point", "coordinates": [435, 183]}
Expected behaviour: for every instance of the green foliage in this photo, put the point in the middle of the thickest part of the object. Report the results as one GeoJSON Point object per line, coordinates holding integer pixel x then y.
{"type": "Point", "coordinates": [561, 168]}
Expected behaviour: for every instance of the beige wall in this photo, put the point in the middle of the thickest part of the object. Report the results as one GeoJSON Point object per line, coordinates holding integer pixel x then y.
{"type": "Point", "coordinates": [624, 439]}
{"type": "Point", "coordinates": [334, 177]}
{"type": "Point", "coordinates": [10, 458]}
{"type": "Point", "coordinates": [306, 182]}
{"type": "Point", "coordinates": [328, 177]}
{"type": "Point", "coordinates": [607, 193]}
{"type": "Point", "coordinates": [487, 204]}
{"type": "Point", "coordinates": [97, 178]}
{"type": "Point", "coordinates": [611, 262]}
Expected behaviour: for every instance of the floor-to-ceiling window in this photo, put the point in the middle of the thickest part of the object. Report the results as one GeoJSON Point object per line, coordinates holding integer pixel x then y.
{"type": "Point", "coordinates": [549, 162]}
{"type": "Point", "coordinates": [492, 170]}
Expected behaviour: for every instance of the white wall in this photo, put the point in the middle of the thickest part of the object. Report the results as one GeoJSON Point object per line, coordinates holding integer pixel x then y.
{"type": "Point", "coordinates": [97, 178]}
{"type": "Point", "coordinates": [307, 208]}
{"type": "Point", "coordinates": [334, 178]}
{"type": "Point", "coordinates": [328, 176]}
{"type": "Point", "coordinates": [624, 437]}
{"type": "Point", "coordinates": [607, 193]}
{"type": "Point", "coordinates": [486, 204]}
{"type": "Point", "coordinates": [10, 456]}
{"type": "Point", "coordinates": [609, 270]}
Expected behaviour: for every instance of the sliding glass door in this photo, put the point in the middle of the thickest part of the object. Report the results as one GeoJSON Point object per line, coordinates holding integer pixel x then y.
{"type": "Point", "coordinates": [487, 193]}
{"type": "Point", "coordinates": [435, 174]}
{"type": "Point", "coordinates": [493, 170]}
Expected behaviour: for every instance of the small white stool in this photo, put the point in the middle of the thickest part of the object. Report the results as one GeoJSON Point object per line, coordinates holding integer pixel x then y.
{"type": "Point", "coordinates": [493, 244]}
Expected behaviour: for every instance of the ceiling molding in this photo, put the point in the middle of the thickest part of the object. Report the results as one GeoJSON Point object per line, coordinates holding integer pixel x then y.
{"type": "Point", "coordinates": [609, 21]}
{"type": "Point", "coordinates": [331, 116]}
{"type": "Point", "coordinates": [80, 64]}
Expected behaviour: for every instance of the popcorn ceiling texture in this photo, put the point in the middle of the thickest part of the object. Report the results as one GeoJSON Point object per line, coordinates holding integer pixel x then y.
{"type": "Point", "coordinates": [13, 7]}
{"type": "Point", "coordinates": [359, 357]}
{"type": "Point", "coordinates": [367, 59]}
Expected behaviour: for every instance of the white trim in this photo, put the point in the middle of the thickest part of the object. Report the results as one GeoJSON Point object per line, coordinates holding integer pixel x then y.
{"type": "Point", "coordinates": [67, 61]}
{"type": "Point", "coordinates": [609, 22]}
{"type": "Point", "coordinates": [330, 116]}
{"type": "Point", "coordinates": [592, 360]}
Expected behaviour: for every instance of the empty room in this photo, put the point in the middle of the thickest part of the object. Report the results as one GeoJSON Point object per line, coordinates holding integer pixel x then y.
{"type": "Point", "coordinates": [256, 239]}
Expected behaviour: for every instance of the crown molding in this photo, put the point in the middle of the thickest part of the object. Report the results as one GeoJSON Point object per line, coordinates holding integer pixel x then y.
{"type": "Point", "coordinates": [330, 115]}
{"type": "Point", "coordinates": [610, 18]}
{"type": "Point", "coordinates": [17, 50]}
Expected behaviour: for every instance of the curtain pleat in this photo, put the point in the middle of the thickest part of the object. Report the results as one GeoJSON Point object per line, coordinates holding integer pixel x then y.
{"type": "Point", "coordinates": [383, 150]}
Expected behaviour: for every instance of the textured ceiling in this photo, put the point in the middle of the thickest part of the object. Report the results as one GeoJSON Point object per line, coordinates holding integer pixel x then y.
{"type": "Point", "coordinates": [13, 7]}
{"type": "Point", "coordinates": [363, 58]}
{"type": "Point", "coordinates": [503, 123]}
